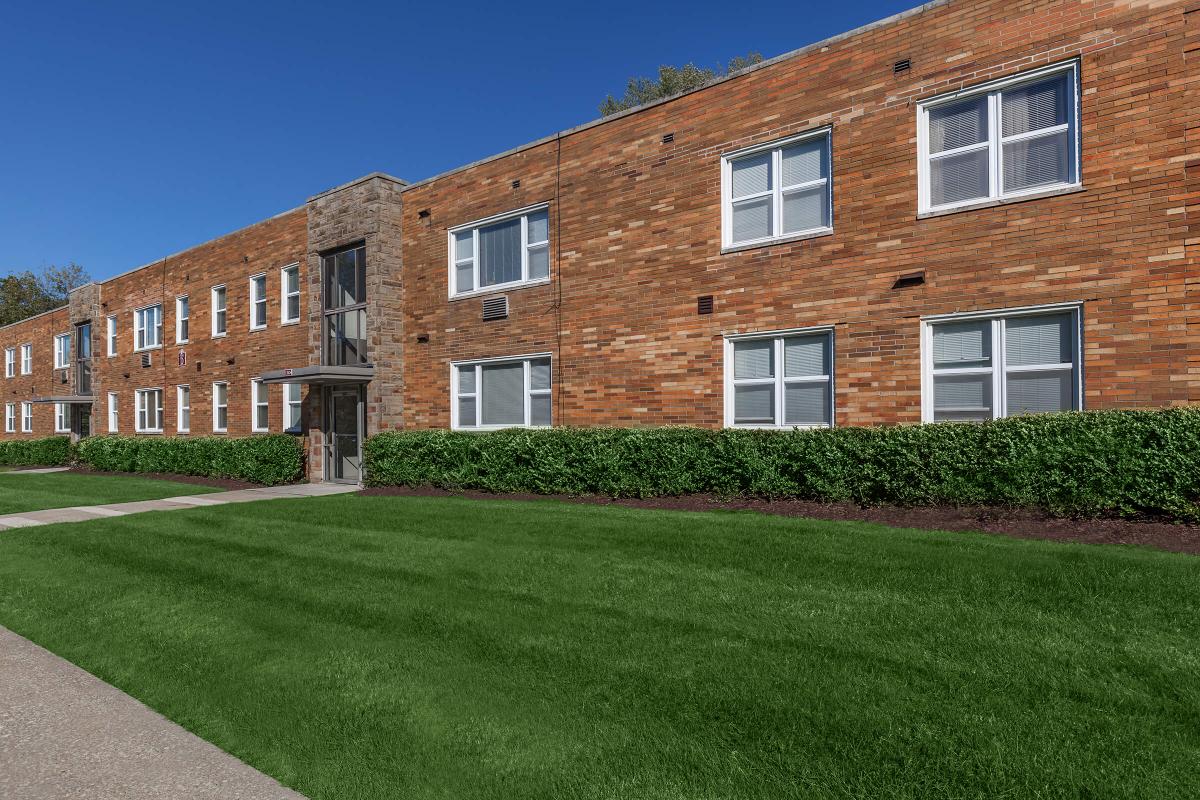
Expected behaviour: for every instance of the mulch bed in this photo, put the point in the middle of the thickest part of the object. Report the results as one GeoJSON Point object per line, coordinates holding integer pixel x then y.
{"type": "Point", "coordinates": [197, 480]}
{"type": "Point", "coordinates": [1019, 523]}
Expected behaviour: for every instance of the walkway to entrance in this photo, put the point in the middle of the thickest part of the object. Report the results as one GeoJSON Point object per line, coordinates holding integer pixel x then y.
{"type": "Point", "coordinates": [51, 516]}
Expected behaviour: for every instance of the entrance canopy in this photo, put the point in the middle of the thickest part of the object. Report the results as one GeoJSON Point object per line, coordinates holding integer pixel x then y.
{"type": "Point", "coordinates": [321, 375]}
{"type": "Point", "coordinates": [69, 399]}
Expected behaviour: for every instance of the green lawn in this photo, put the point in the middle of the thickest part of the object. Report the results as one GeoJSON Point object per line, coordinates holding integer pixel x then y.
{"type": "Point", "coordinates": [61, 489]}
{"type": "Point", "coordinates": [371, 647]}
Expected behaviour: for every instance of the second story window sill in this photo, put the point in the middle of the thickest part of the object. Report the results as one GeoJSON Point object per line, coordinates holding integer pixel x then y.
{"type": "Point", "coordinates": [1056, 191]}
{"type": "Point", "coordinates": [500, 288]}
{"type": "Point", "coordinates": [799, 237]}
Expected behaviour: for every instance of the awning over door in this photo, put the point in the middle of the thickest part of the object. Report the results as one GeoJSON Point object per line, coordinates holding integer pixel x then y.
{"type": "Point", "coordinates": [320, 375]}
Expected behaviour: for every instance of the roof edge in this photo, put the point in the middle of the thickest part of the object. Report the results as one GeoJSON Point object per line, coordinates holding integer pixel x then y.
{"type": "Point", "coordinates": [23, 320]}
{"type": "Point", "coordinates": [371, 176]}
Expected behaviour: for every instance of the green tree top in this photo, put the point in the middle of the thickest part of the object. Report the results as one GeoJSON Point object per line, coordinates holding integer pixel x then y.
{"type": "Point", "coordinates": [24, 294]}
{"type": "Point", "coordinates": [672, 80]}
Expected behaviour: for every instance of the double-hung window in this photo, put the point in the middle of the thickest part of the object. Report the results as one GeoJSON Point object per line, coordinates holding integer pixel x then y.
{"type": "Point", "coordinates": [260, 409]}
{"type": "Point", "coordinates": [149, 410]}
{"type": "Point", "coordinates": [499, 252]}
{"type": "Point", "coordinates": [147, 328]}
{"type": "Point", "coordinates": [777, 191]}
{"type": "Point", "coordinates": [10, 418]}
{"type": "Point", "coordinates": [1007, 139]}
{"type": "Point", "coordinates": [779, 380]}
{"type": "Point", "coordinates": [289, 292]}
{"type": "Point", "coordinates": [183, 409]}
{"type": "Point", "coordinates": [979, 367]}
{"type": "Point", "coordinates": [26, 359]}
{"type": "Point", "coordinates": [219, 318]}
{"type": "Point", "coordinates": [62, 422]}
{"type": "Point", "coordinates": [113, 412]}
{"type": "Point", "coordinates": [111, 336]}
{"type": "Point", "coordinates": [220, 402]}
{"type": "Point", "coordinates": [258, 302]}
{"type": "Point", "coordinates": [10, 362]}
{"type": "Point", "coordinates": [183, 319]}
{"type": "Point", "coordinates": [501, 393]}
{"type": "Point", "coordinates": [62, 350]}
{"type": "Point", "coordinates": [292, 407]}
{"type": "Point", "coordinates": [26, 417]}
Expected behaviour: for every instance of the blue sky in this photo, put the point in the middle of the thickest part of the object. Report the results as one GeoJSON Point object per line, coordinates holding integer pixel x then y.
{"type": "Point", "coordinates": [134, 130]}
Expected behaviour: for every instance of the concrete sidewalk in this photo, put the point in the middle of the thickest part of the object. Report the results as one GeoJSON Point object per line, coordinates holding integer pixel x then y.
{"type": "Point", "coordinates": [66, 734]}
{"type": "Point", "coordinates": [50, 516]}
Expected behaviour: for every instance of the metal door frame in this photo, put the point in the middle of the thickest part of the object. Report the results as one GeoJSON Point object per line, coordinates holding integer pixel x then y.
{"type": "Point", "coordinates": [330, 433]}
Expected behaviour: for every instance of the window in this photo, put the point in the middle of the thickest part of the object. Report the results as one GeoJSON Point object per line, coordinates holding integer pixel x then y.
{"type": "Point", "coordinates": [292, 407]}
{"type": "Point", "coordinates": [1007, 139]}
{"type": "Point", "coordinates": [149, 410]}
{"type": "Point", "coordinates": [981, 367]}
{"type": "Point", "coordinates": [500, 251]}
{"type": "Point", "coordinates": [27, 417]}
{"type": "Point", "coordinates": [10, 418]}
{"type": "Point", "coordinates": [61, 421]}
{"type": "Point", "coordinates": [218, 311]}
{"type": "Point", "coordinates": [62, 350]}
{"type": "Point", "coordinates": [289, 290]}
{"type": "Point", "coordinates": [777, 191]}
{"type": "Point", "coordinates": [779, 380]}
{"type": "Point", "coordinates": [183, 409]}
{"type": "Point", "coordinates": [183, 319]}
{"type": "Point", "coordinates": [345, 307]}
{"type": "Point", "coordinates": [501, 393]}
{"type": "Point", "coordinates": [147, 328]}
{"type": "Point", "coordinates": [113, 404]}
{"type": "Point", "coordinates": [258, 302]}
{"type": "Point", "coordinates": [111, 336]}
{"type": "Point", "coordinates": [220, 394]}
{"type": "Point", "coordinates": [26, 359]}
{"type": "Point", "coordinates": [260, 410]}
{"type": "Point", "coordinates": [10, 362]}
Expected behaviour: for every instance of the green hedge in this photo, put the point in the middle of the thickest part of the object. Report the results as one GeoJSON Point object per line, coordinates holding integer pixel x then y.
{"type": "Point", "coordinates": [269, 460]}
{"type": "Point", "coordinates": [1124, 463]}
{"type": "Point", "coordinates": [53, 451]}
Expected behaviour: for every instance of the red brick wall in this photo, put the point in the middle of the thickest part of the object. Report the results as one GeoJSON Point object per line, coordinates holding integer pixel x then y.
{"type": "Point", "coordinates": [637, 224]}
{"type": "Point", "coordinates": [40, 332]}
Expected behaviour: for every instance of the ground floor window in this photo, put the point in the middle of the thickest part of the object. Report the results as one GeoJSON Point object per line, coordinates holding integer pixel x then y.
{"type": "Point", "coordinates": [501, 393]}
{"type": "Point", "coordinates": [26, 417]}
{"type": "Point", "coordinates": [779, 380]}
{"type": "Point", "coordinates": [183, 409]}
{"type": "Point", "coordinates": [987, 366]}
{"type": "Point", "coordinates": [149, 410]}
{"type": "Point", "coordinates": [260, 409]}
{"type": "Point", "coordinates": [62, 421]}
{"type": "Point", "coordinates": [113, 401]}
{"type": "Point", "coordinates": [291, 407]}
{"type": "Point", "coordinates": [220, 399]}
{"type": "Point", "coordinates": [10, 418]}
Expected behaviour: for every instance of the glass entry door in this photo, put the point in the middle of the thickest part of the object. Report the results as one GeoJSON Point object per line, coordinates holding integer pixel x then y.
{"type": "Point", "coordinates": [344, 411]}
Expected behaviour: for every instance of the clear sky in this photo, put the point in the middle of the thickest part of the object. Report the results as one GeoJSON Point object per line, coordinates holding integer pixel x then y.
{"type": "Point", "coordinates": [130, 131]}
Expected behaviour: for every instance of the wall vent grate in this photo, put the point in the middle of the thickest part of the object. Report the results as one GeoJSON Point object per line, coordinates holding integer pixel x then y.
{"type": "Point", "coordinates": [668, 138]}
{"type": "Point", "coordinates": [495, 308]}
{"type": "Point", "coordinates": [704, 304]}
{"type": "Point", "coordinates": [145, 360]}
{"type": "Point", "coordinates": [902, 66]}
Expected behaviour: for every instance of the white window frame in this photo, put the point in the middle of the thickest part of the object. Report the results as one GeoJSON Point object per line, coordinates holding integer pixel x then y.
{"type": "Point", "coordinates": [996, 139]}
{"type": "Point", "coordinates": [114, 412]}
{"type": "Point", "coordinates": [26, 417]}
{"type": "Point", "coordinates": [777, 191]}
{"type": "Point", "coordinates": [183, 404]}
{"type": "Point", "coordinates": [181, 317]}
{"type": "Point", "coordinates": [285, 295]}
{"type": "Point", "coordinates": [10, 362]}
{"type": "Point", "coordinates": [479, 364]}
{"type": "Point", "coordinates": [110, 338]}
{"type": "Point", "coordinates": [214, 310]}
{"type": "Point", "coordinates": [217, 406]}
{"type": "Point", "coordinates": [141, 404]}
{"type": "Point", "coordinates": [140, 328]}
{"type": "Point", "coordinates": [999, 368]}
{"type": "Point", "coordinates": [62, 418]}
{"type": "Point", "coordinates": [257, 300]}
{"type": "Point", "coordinates": [62, 351]}
{"type": "Point", "coordinates": [260, 399]}
{"type": "Point", "coordinates": [780, 381]}
{"type": "Point", "coordinates": [526, 246]}
{"type": "Point", "coordinates": [27, 359]}
{"type": "Point", "coordinates": [287, 407]}
{"type": "Point", "coordinates": [10, 417]}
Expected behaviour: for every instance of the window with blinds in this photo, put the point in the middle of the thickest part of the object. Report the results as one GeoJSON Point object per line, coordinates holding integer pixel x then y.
{"type": "Point", "coordinates": [999, 366]}
{"type": "Point", "coordinates": [1006, 139]}
{"type": "Point", "coordinates": [500, 252]}
{"type": "Point", "coordinates": [780, 380]}
{"type": "Point", "coordinates": [777, 191]}
{"type": "Point", "coordinates": [504, 393]}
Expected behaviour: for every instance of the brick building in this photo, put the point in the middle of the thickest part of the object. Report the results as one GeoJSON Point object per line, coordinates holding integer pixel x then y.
{"type": "Point", "coordinates": [972, 209]}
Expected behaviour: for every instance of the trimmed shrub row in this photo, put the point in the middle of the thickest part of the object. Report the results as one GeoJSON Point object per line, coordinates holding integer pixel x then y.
{"type": "Point", "coordinates": [269, 459]}
{"type": "Point", "coordinates": [52, 451]}
{"type": "Point", "coordinates": [1122, 463]}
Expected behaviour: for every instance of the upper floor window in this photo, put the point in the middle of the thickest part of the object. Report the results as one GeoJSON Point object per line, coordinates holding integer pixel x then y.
{"type": "Point", "coordinates": [10, 362]}
{"type": "Point", "coordinates": [111, 336]}
{"type": "Point", "coordinates": [979, 367]}
{"type": "Point", "coordinates": [258, 302]}
{"type": "Point", "coordinates": [62, 350]}
{"type": "Point", "coordinates": [779, 380]}
{"type": "Point", "coordinates": [26, 359]}
{"type": "Point", "coordinates": [219, 315]}
{"type": "Point", "coordinates": [345, 307]}
{"type": "Point", "coordinates": [289, 291]}
{"type": "Point", "coordinates": [501, 393]}
{"type": "Point", "coordinates": [1007, 139]}
{"type": "Point", "coordinates": [498, 252]}
{"type": "Point", "coordinates": [183, 319]}
{"type": "Point", "coordinates": [147, 327]}
{"type": "Point", "coordinates": [777, 191]}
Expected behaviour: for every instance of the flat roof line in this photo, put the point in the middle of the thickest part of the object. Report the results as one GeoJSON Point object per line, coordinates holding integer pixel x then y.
{"type": "Point", "coordinates": [402, 183]}
{"type": "Point", "coordinates": [23, 320]}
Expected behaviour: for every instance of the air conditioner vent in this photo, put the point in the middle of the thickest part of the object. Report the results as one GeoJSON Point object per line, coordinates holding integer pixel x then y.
{"type": "Point", "coordinates": [902, 66]}
{"type": "Point", "coordinates": [495, 307]}
{"type": "Point", "coordinates": [704, 304]}
{"type": "Point", "coordinates": [145, 360]}
{"type": "Point", "coordinates": [63, 376]}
